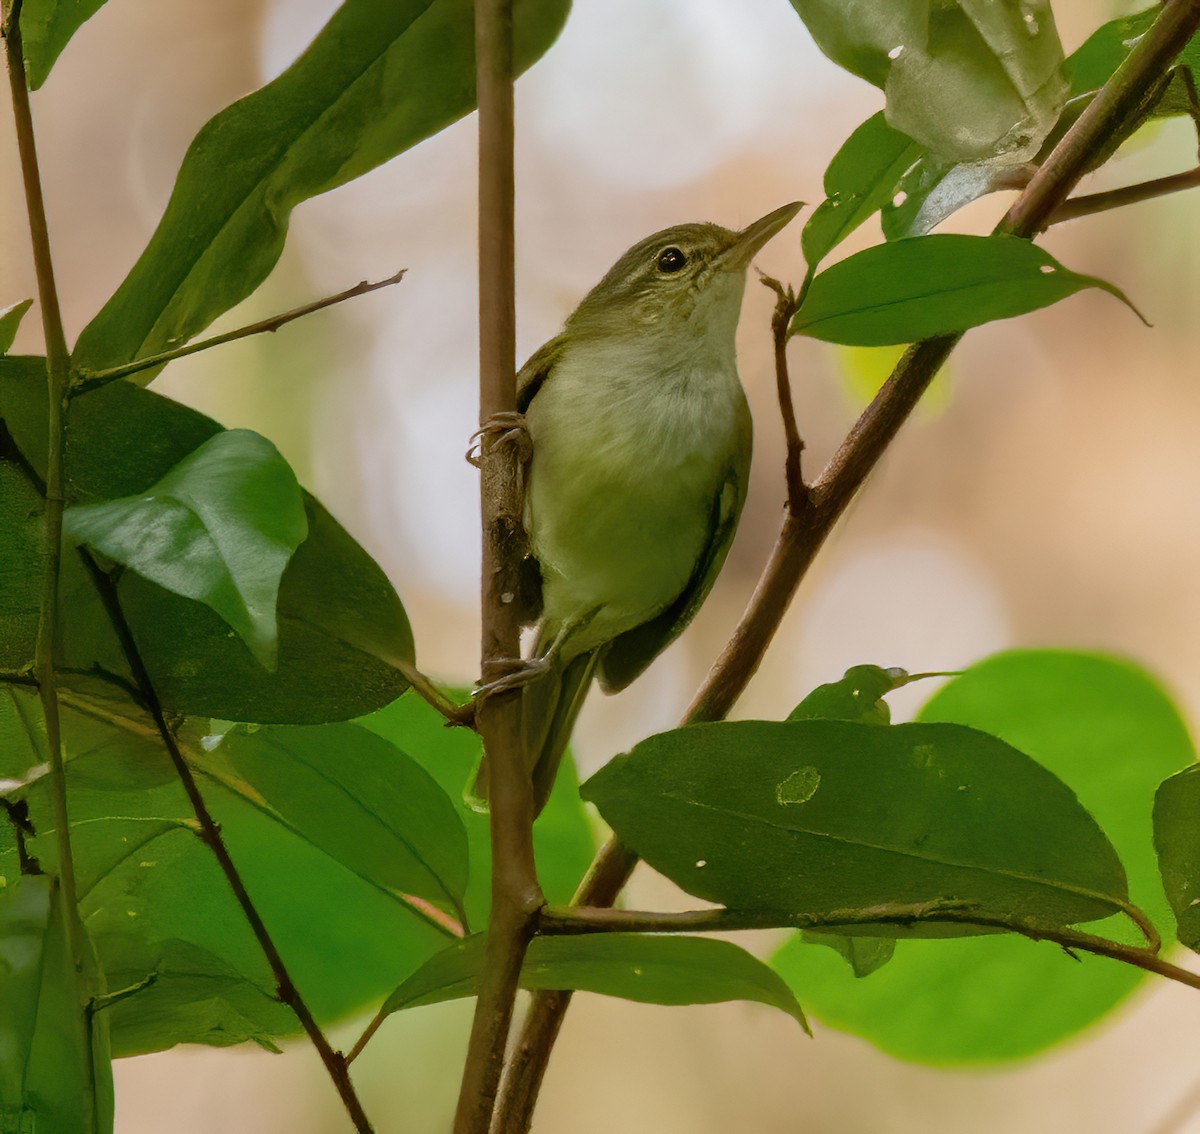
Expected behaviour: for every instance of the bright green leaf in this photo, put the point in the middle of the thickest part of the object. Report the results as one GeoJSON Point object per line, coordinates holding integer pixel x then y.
{"type": "Point", "coordinates": [933, 285]}
{"type": "Point", "coordinates": [858, 696]}
{"type": "Point", "coordinates": [1109, 731]}
{"type": "Point", "coordinates": [10, 320]}
{"type": "Point", "coordinates": [382, 76]}
{"type": "Point", "coordinates": [1177, 840]}
{"type": "Point", "coordinates": [650, 970]}
{"type": "Point", "coordinates": [816, 816]}
{"type": "Point", "coordinates": [219, 528]}
{"type": "Point", "coordinates": [862, 177]}
{"type": "Point", "coordinates": [358, 798]}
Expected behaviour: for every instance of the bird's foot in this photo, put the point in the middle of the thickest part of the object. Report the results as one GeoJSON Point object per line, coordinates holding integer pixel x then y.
{"type": "Point", "coordinates": [509, 674]}
{"type": "Point", "coordinates": [506, 428]}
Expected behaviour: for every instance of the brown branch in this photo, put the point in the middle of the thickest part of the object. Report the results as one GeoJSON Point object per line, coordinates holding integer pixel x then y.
{"type": "Point", "coordinates": [455, 714]}
{"type": "Point", "coordinates": [1091, 203]}
{"type": "Point", "coordinates": [802, 535]}
{"type": "Point", "coordinates": [210, 834]}
{"type": "Point", "coordinates": [786, 305]}
{"type": "Point", "coordinates": [94, 380]}
{"type": "Point", "coordinates": [516, 896]}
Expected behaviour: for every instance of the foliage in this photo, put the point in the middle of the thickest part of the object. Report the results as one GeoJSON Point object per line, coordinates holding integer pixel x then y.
{"type": "Point", "coordinates": [233, 670]}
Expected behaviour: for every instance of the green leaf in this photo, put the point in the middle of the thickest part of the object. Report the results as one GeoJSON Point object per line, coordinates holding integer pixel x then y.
{"type": "Point", "coordinates": [933, 285]}
{"type": "Point", "coordinates": [355, 796]}
{"type": "Point", "coordinates": [1177, 840]}
{"type": "Point", "coordinates": [10, 320]}
{"type": "Point", "coordinates": [861, 179]}
{"type": "Point", "coordinates": [816, 816]}
{"type": "Point", "coordinates": [46, 28]}
{"type": "Point", "coordinates": [562, 836]}
{"type": "Point", "coordinates": [56, 1073]}
{"type": "Point", "coordinates": [20, 564]}
{"type": "Point", "coordinates": [382, 76]}
{"type": "Point", "coordinates": [219, 528]}
{"type": "Point", "coordinates": [932, 189]}
{"type": "Point", "coordinates": [966, 79]}
{"type": "Point", "coordinates": [1111, 732]}
{"type": "Point", "coordinates": [632, 966]}
{"type": "Point", "coordinates": [864, 955]}
{"type": "Point", "coordinates": [341, 627]}
{"type": "Point", "coordinates": [858, 696]}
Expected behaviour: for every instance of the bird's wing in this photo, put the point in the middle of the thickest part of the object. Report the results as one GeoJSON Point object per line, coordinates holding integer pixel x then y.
{"type": "Point", "coordinates": [532, 376]}
{"type": "Point", "coordinates": [628, 655]}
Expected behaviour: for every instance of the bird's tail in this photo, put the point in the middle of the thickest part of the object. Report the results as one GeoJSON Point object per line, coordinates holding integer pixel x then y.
{"type": "Point", "coordinates": [549, 705]}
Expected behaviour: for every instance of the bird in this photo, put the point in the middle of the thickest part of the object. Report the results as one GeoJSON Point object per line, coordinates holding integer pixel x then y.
{"type": "Point", "coordinates": [640, 440]}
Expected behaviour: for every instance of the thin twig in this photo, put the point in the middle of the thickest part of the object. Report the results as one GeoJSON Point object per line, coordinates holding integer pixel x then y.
{"type": "Point", "coordinates": [802, 536]}
{"type": "Point", "coordinates": [9, 677]}
{"type": "Point", "coordinates": [98, 378]}
{"type": "Point", "coordinates": [455, 714]}
{"type": "Point", "coordinates": [786, 305]}
{"type": "Point", "coordinates": [210, 834]}
{"type": "Point", "coordinates": [58, 364]}
{"type": "Point", "coordinates": [516, 896]}
{"type": "Point", "coordinates": [1091, 203]}
{"type": "Point", "coordinates": [576, 919]}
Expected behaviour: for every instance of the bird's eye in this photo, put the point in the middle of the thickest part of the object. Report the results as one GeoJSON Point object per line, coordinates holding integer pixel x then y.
{"type": "Point", "coordinates": [671, 259]}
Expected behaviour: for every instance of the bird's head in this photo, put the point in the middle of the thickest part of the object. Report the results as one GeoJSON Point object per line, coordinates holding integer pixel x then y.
{"type": "Point", "coordinates": [687, 273]}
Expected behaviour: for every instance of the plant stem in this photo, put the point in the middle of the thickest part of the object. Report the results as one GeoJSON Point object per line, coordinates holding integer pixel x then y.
{"type": "Point", "coordinates": [99, 378]}
{"type": "Point", "coordinates": [58, 364]}
{"type": "Point", "coordinates": [803, 534]}
{"type": "Point", "coordinates": [210, 834]}
{"type": "Point", "coordinates": [455, 714]}
{"type": "Point", "coordinates": [516, 896]}
{"type": "Point", "coordinates": [1091, 203]}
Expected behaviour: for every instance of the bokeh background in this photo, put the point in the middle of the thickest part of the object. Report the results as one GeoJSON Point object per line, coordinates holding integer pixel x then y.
{"type": "Point", "coordinates": [1045, 496]}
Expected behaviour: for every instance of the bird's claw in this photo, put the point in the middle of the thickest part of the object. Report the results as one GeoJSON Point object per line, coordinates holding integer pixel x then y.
{"type": "Point", "coordinates": [505, 428]}
{"type": "Point", "coordinates": [511, 674]}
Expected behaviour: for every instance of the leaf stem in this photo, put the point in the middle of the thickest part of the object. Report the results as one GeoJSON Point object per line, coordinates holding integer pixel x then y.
{"type": "Point", "coordinates": [516, 896]}
{"type": "Point", "coordinates": [97, 379]}
{"type": "Point", "coordinates": [210, 834]}
{"type": "Point", "coordinates": [46, 645]}
{"type": "Point", "coordinates": [455, 714]}
{"type": "Point", "coordinates": [802, 535]}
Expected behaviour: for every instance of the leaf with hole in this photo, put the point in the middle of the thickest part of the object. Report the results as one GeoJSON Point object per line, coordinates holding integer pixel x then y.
{"type": "Point", "coordinates": [219, 528]}
{"type": "Point", "coordinates": [934, 285]}
{"type": "Point", "coordinates": [818, 816]}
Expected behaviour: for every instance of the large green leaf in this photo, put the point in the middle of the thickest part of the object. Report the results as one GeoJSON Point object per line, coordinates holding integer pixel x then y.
{"type": "Point", "coordinates": [933, 285]}
{"type": "Point", "coordinates": [56, 1071]}
{"type": "Point", "coordinates": [1107, 729]}
{"type": "Point", "coordinates": [1177, 839]}
{"type": "Point", "coordinates": [816, 816]}
{"type": "Point", "coordinates": [651, 970]}
{"type": "Point", "coordinates": [220, 528]}
{"type": "Point", "coordinates": [382, 76]}
{"type": "Point", "coordinates": [967, 79]}
{"type": "Point", "coordinates": [341, 627]}
{"type": "Point", "coordinates": [46, 28]}
{"type": "Point", "coordinates": [563, 839]}
{"type": "Point", "coordinates": [358, 798]}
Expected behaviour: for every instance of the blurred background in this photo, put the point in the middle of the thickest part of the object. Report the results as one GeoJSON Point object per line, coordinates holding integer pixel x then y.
{"type": "Point", "coordinates": [1045, 496]}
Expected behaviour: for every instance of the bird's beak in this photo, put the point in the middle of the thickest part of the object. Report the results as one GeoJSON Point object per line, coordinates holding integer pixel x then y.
{"type": "Point", "coordinates": [754, 236]}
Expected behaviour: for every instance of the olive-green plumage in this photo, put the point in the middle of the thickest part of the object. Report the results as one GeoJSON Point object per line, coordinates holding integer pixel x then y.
{"type": "Point", "coordinates": [641, 443]}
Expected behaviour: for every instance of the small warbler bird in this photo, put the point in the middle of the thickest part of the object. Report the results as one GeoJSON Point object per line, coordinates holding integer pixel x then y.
{"type": "Point", "coordinates": [641, 440]}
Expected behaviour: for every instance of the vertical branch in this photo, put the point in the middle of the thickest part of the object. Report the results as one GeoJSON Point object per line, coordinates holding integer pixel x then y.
{"type": "Point", "coordinates": [516, 896]}
{"type": "Point", "coordinates": [210, 833]}
{"type": "Point", "coordinates": [58, 364]}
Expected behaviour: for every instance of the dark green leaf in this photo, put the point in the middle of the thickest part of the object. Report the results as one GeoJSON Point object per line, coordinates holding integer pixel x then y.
{"type": "Point", "coordinates": [967, 79]}
{"type": "Point", "coordinates": [651, 970]}
{"type": "Point", "coordinates": [10, 320]}
{"type": "Point", "coordinates": [816, 816]}
{"type": "Point", "coordinates": [562, 836]}
{"type": "Point", "coordinates": [353, 795]}
{"type": "Point", "coordinates": [1108, 730]}
{"type": "Point", "coordinates": [382, 76]}
{"type": "Point", "coordinates": [1177, 840]}
{"type": "Point", "coordinates": [219, 528]}
{"type": "Point", "coordinates": [341, 626]}
{"type": "Point", "coordinates": [20, 564]}
{"type": "Point", "coordinates": [863, 176]}
{"type": "Point", "coordinates": [864, 955]}
{"type": "Point", "coordinates": [933, 285]}
{"type": "Point", "coordinates": [46, 28]}
{"type": "Point", "coordinates": [56, 1074]}
{"type": "Point", "coordinates": [857, 697]}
